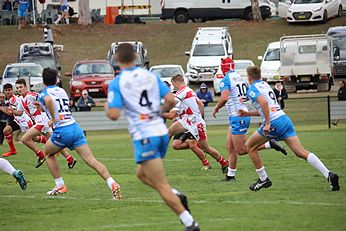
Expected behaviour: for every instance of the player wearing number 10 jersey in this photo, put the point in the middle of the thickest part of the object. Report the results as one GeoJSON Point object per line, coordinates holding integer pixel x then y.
{"type": "Point", "coordinates": [277, 125]}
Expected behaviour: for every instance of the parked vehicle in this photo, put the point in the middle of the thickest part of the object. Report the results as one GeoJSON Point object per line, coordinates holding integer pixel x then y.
{"type": "Point", "coordinates": [142, 55]}
{"type": "Point", "coordinates": [271, 63]}
{"type": "Point", "coordinates": [166, 72]}
{"type": "Point", "coordinates": [31, 72]}
{"type": "Point", "coordinates": [91, 75]}
{"type": "Point", "coordinates": [208, 47]}
{"type": "Point", "coordinates": [202, 10]}
{"type": "Point", "coordinates": [309, 10]}
{"type": "Point", "coordinates": [337, 40]}
{"type": "Point", "coordinates": [305, 62]}
{"type": "Point", "coordinates": [240, 66]}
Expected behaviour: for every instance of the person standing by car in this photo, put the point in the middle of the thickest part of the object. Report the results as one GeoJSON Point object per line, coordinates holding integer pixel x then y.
{"type": "Point", "coordinates": [341, 96]}
{"type": "Point", "coordinates": [48, 35]}
{"type": "Point", "coordinates": [23, 6]}
{"type": "Point", "coordinates": [204, 95]}
{"type": "Point", "coordinates": [280, 93]}
{"type": "Point", "coordinates": [85, 102]}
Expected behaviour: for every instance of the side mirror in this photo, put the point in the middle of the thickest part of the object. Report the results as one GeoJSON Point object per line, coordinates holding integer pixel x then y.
{"type": "Point", "coordinates": [68, 74]}
{"type": "Point", "coordinates": [187, 53]}
{"type": "Point", "coordinates": [260, 57]}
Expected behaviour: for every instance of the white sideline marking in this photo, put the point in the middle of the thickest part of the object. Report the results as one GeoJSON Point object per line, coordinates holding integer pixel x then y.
{"type": "Point", "coordinates": [161, 202]}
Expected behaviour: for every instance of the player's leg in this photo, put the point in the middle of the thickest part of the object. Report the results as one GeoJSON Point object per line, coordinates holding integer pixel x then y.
{"type": "Point", "coordinates": [232, 158]}
{"type": "Point", "coordinates": [9, 138]}
{"type": "Point", "coordinates": [67, 20]}
{"type": "Point", "coordinates": [17, 174]}
{"type": "Point", "coordinates": [204, 145]}
{"type": "Point", "coordinates": [193, 145]}
{"type": "Point", "coordinates": [295, 145]}
{"type": "Point", "coordinates": [27, 139]}
{"type": "Point", "coordinates": [178, 143]}
{"type": "Point", "coordinates": [176, 128]}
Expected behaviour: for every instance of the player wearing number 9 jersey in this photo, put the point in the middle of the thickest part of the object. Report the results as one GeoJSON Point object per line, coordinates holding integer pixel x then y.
{"type": "Point", "coordinates": [276, 124]}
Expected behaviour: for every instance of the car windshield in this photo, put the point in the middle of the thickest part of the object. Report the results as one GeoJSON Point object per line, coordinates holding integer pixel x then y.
{"type": "Point", "coordinates": [209, 50]}
{"type": "Point", "coordinates": [242, 65]}
{"type": "Point", "coordinates": [307, 1]}
{"type": "Point", "coordinates": [21, 71]}
{"type": "Point", "coordinates": [44, 61]}
{"type": "Point", "coordinates": [92, 68]}
{"type": "Point", "coordinates": [339, 48]}
{"type": "Point", "coordinates": [272, 55]}
{"type": "Point", "coordinates": [167, 72]}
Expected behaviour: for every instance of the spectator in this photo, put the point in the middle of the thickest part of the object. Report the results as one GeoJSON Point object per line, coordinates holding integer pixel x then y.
{"type": "Point", "coordinates": [85, 102]}
{"type": "Point", "coordinates": [341, 96]}
{"type": "Point", "coordinates": [280, 93]}
{"type": "Point", "coordinates": [23, 6]}
{"type": "Point", "coordinates": [3, 116]}
{"type": "Point", "coordinates": [7, 5]}
{"type": "Point", "coordinates": [64, 12]}
{"type": "Point", "coordinates": [204, 95]}
{"type": "Point", "coordinates": [48, 35]}
{"type": "Point", "coordinates": [72, 106]}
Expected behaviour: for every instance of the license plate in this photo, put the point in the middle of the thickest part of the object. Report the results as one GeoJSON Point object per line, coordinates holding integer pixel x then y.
{"type": "Point", "coordinates": [301, 16]}
{"type": "Point", "coordinates": [93, 90]}
{"type": "Point", "coordinates": [305, 79]}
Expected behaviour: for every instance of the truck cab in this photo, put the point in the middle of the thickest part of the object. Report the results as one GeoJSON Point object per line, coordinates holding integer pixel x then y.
{"type": "Point", "coordinates": [337, 40]}
{"type": "Point", "coordinates": [271, 63]}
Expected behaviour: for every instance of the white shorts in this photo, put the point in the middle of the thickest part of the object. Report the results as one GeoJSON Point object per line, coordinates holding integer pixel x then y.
{"type": "Point", "coordinates": [196, 126]}
{"type": "Point", "coordinates": [41, 123]}
{"type": "Point", "coordinates": [24, 122]}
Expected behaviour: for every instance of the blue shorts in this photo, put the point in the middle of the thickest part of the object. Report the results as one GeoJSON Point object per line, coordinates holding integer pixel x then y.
{"type": "Point", "coordinates": [239, 125]}
{"type": "Point", "coordinates": [22, 13]}
{"type": "Point", "coordinates": [70, 136]}
{"type": "Point", "coordinates": [150, 148]}
{"type": "Point", "coordinates": [64, 8]}
{"type": "Point", "coordinates": [281, 128]}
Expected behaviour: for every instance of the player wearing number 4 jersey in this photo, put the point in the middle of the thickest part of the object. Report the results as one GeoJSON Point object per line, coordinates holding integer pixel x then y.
{"type": "Point", "coordinates": [66, 133]}
{"type": "Point", "coordinates": [276, 125]}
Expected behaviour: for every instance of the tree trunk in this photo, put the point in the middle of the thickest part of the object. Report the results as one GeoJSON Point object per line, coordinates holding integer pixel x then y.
{"type": "Point", "coordinates": [256, 11]}
{"type": "Point", "coordinates": [84, 13]}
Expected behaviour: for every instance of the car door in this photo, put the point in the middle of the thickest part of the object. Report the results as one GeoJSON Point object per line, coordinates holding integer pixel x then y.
{"type": "Point", "coordinates": [283, 7]}
{"type": "Point", "coordinates": [330, 6]}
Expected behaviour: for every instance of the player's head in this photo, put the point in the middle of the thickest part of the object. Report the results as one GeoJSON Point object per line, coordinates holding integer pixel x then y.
{"type": "Point", "coordinates": [49, 76]}
{"type": "Point", "coordinates": [342, 83]}
{"type": "Point", "coordinates": [177, 81]}
{"type": "Point", "coordinates": [2, 97]}
{"type": "Point", "coordinates": [253, 73]}
{"type": "Point", "coordinates": [227, 65]}
{"type": "Point", "coordinates": [8, 90]}
{"type": "Point", "coordinates": [125, 54]}
{"type": "Point", "coordinates": [21, 86]}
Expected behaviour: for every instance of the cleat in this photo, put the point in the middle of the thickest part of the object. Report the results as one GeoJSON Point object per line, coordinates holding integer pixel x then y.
{"type": "Point", "coordinates": [183, 200]}
{"type": "Point", "coordinates": [193, 227]}
{"type": "Point", "coordinates": [206, 167]}
{"type": "Point", "coordinates": [56, 191]}
{"type": "Point", "coordinates": [40, 161]}
{"type": "Point", "coordinates": [224, 169]}
{"type": "Point", "coordinates": [229, 178]}
{"type": "Point", "coordinates": [333, 179]}
{"type": "Point", "coordinates": [18, 174]}
{"type": "Point", "coordinates": [71, 165]}
{"type": "Point", "coordinates": [116, 191]}
{"type": "Point", "coordinates": [277, 146]}
{"type": "Point", "coordinates": [260, 184]}
{"type": "Point", "coordinates": [9, 153]}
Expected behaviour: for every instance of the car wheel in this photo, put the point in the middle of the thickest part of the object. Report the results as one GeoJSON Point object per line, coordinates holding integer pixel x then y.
{"type": "Point", "coordinates": [339, 12]}
{"type": "Point", "coordinates": [181, 16]}
{"type": "Point", "coordinates": [325, 17]}
{"type": "Point", "coordinates": [248, 14]}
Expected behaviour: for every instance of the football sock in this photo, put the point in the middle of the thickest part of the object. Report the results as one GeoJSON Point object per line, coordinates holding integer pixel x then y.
{"type": "Point", "coordinates": [59, 182]}
{"type": "Point", "coordinates": [67, 20]}
{"type": "Point", "coordinates": [39, 153]}
{"type": "Point", "coordinates": [69, 159]}
{"type": "Point", "coordinates": [267, 145]}
{"type": "Point", "coordinates": [58, 20]}
{"type": "Point", "coordinates": [42, 139]}
{"type": "Point", "coordinates": [9, 139]}
{"type": "Point", "coordinates": [317, 163]}
{"type": "Point", "coordinates": [175, 191]}
{"type": "Point", "coordinates": [110, 181]}
{"type": "Point", "coordinates": [231, 172]}
{"type": "Point", "coordinates": [262, 173]}
{"type": "Point", "coordinates": [205, 162]}
{"type": "Point", "coordinates": [186, 218]}
{"type": "Point", "coordinates": [6, 166]}
{"type": "Point", "coordinates": [222, 161]}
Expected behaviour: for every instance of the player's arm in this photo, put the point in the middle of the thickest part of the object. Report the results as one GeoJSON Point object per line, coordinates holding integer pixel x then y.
{"type": "Point", "coordinates": [114, 101]}
{"type": "Point", "coordinates": [169, 102]}
{"type": "Point", "coordinates": [221, 103]}
{"type": "Point", "coordinates": [170, 115]}
{"type": "Point", "coordinates": [264, 107]}
{"type": "Point", "coordinates": [8, 111]}
{"type": "Point", "coordinates": [48, 101]}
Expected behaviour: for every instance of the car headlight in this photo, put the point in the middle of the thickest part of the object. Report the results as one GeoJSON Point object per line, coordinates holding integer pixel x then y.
{"type": "Point", "coordinates": [290, 10]}
{"type": "Point", "coordinates": [77, 83]}
{"type": "Point", "coordinates": [317, 9]}
{"type": "Point", "coordinates": [108, 81]}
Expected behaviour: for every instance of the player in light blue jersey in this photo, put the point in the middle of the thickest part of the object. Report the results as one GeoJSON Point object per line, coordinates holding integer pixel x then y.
{"type": "Point", "coordinates": [66, 133]}
{"type": "Point", "coordinates": [138, 93]}
{"type": "Point", "coordinates": [233, 94]}
{"type": "Point", "coordinates": [276, 124]}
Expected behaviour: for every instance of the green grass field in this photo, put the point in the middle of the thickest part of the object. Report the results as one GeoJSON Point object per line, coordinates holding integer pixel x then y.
{"type": "Point", "coordinates": [298, 200]}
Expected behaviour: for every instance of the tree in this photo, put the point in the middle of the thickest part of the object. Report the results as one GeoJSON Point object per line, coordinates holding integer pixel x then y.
{"type": "Point", "coordinates": [256, 11]}
{"type": "Point", "coordinates": [84, 13]}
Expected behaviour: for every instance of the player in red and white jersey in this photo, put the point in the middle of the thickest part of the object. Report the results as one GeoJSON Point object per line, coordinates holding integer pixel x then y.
{"type": "Point", "coordinates": [191, 120]}
{"type": "Point", "coordinates": [28, 104]}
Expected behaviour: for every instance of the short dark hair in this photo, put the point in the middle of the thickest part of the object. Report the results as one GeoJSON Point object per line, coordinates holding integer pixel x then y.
{"type": "Point", "coordinates": [8, 86]}
{"type": "Point", "coordinates": [21, 81]}
{"type": "Point", "coordinates": [254, 72]}
{"type": "Point", "coordinates": [125, 53]}
{"type": "Point", "coordinates": [49, 76]}
{"type": "Point", "coordinates": [178, 78]}
{"type": "Point", "coordinates": [343, 82]}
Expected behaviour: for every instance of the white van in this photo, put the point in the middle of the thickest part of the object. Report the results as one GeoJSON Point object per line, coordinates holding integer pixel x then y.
{"type": "Point", "coordinates": [271, 62]}
{"type": "Point", "coordinates": [208, 47]}
{"type": "Point", "coordinates": [201, 10]}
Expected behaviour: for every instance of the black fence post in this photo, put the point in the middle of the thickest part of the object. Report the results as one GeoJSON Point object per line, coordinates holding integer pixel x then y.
{"type": "Point", "coordinates": [328, 102]}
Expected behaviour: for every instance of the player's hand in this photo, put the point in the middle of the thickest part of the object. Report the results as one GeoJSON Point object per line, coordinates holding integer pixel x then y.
{"type": "Point", "coordinates": [242, 113]}
{"type": "Point", "coordinates": [215, 111]}
{"type": "Point", "coordinates": [50, 123]}
{"type": "Point", "coordinates": [266, 129]}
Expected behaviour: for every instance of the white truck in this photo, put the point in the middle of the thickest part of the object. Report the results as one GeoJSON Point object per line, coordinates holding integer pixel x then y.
{"type": "Point", "coordinates": [305, 62]}
{"type": "Point", "coordinates": [337, 39]}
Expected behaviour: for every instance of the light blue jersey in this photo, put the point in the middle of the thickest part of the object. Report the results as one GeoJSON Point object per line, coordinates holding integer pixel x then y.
{"type": "Point", "coordinates": [139, 92]}
{"type": "Point", "coordinates": [262, 88]}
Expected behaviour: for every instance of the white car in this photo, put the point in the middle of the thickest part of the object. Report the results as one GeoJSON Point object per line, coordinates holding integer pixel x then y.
{"type": "Point", "coordinates": [166, 72]}
{"type": "Point", "coordinates": [31, 72]}
{"type": "Point", "coordinates": [271, 63]}
{"type": "Point", "coordinates": [310, 10]}
{"type": "Point", "coordinates": [240, 66]}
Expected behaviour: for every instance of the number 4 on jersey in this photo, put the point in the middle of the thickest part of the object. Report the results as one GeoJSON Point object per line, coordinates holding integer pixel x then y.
{"type": "Point", "coordinates": [144, 100]}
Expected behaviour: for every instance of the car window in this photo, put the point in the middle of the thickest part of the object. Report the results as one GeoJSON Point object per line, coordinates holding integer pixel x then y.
{"type": "Point", "coordinates": [92, 68]}
{"type": "Point", "coordinates": [16, 72]}
{"type": "Point", "coordinates": [167, 72]}
{"type": "Point", "coordinates": [307, 1]}
{"type": "Point", "coordinates": [44, 61]}
{"type": "Point", "coordinates": [272, 55]}
{"type": "Point", "coordinates": [242, 65]}
{"type": "Point", "coordinates": [209, 50]}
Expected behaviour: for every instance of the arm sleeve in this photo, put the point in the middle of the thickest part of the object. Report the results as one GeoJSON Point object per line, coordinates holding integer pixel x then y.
{"type": "Point", "coordinates": [253, 93]}
{"type": "Point", "coordinates": [41, 96]}
{"type": "Point", "coordinates": [80, 103]}
{"type": "Point", "coordinates": [115, 99]}
{"type": "Point", "coordinates": [225, 84]}
{"type": "Point", "coordinates": [164, 90]}
{"type": "Point", "coordinates": [92, 102]}
{"type": "Point", "coordinates": [210, 97]}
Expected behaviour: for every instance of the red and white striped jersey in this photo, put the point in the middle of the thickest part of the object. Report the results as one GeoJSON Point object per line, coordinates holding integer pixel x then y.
{"type": "Point", "coordinates": [188, 103]}
{"type": "Point", "coordinates": [24, 118]}
{"type": "Point", "coordinates": [28, 104]}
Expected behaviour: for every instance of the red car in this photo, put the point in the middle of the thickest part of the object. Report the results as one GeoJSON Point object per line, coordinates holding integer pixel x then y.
{"type": "Point", "coordinates": [91, 75]}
